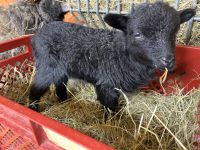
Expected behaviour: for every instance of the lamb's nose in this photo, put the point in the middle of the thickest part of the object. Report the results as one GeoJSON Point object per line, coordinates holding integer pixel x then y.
{"type": "Point", "coordinates": [167, 61]}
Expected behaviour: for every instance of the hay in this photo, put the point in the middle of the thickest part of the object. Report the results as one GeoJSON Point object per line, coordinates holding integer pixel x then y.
{"type": "Point", "coordinates": [145, 120]}
{"type": "Point", "coordinates": [19, 19]}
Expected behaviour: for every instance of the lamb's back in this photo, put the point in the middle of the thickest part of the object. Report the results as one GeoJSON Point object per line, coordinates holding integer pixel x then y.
{"type": "Point", "coordinates": [71, 38]}
{"type": "Point", "coordinates": [80, 50]}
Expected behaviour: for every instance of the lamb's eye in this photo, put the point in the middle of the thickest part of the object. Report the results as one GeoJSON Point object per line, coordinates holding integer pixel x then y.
{"type": "Point", "coordinates": [138, 36]}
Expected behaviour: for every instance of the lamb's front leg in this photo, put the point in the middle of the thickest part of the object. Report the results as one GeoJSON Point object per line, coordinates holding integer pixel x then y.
{"type": "Point", "coordinates": [61, 90]}
{"type": "Point", "coordinates": [107, 96]}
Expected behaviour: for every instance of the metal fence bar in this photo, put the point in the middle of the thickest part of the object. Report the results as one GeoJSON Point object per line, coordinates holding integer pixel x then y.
{"type": "Point", "coordinates": [87, 6]}
{"type": "Point", "coordinates": [71, 12]}
{"type": "Point", "coordinates": [177, 4]}
{"type": "Point", "coordinates": [107, 6]}
{"type": "Point", "coordinates": [97, 7]}
{"type": "Point", "coordinates": [80, 12]}
{"type": "Point", "coordinates": [190, 24]}
{"type": "Point", "coordinates": [189, 31]}
{"type": "Point", "coordinates": [98, 14]}
{"type": "Point", "coordinates": [88, 13]}
{"type": "Point", "coordinates": [119, 7]}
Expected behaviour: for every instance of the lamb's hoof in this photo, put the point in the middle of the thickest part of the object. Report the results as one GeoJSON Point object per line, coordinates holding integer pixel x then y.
{"type": "Point", "coordinates": [108, 114]}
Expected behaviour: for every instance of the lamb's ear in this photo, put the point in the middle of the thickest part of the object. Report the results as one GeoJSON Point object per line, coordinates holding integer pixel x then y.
{"type": "Point", "coordinates": [116, 21]}
{"type": "Point", "coordinates": [186, 14]}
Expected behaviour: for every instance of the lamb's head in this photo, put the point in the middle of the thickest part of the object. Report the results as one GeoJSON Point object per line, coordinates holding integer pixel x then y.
{"type": "Point", "coordinates": [150, 31]}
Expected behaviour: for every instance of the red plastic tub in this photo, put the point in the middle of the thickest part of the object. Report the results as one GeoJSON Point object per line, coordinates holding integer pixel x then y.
{"type": "Point", "coordinates": [22, 128]}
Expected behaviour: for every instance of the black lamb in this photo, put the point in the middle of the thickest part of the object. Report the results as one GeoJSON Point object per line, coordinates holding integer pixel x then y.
{"type": "Point", "coordinates": [125, 59]}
